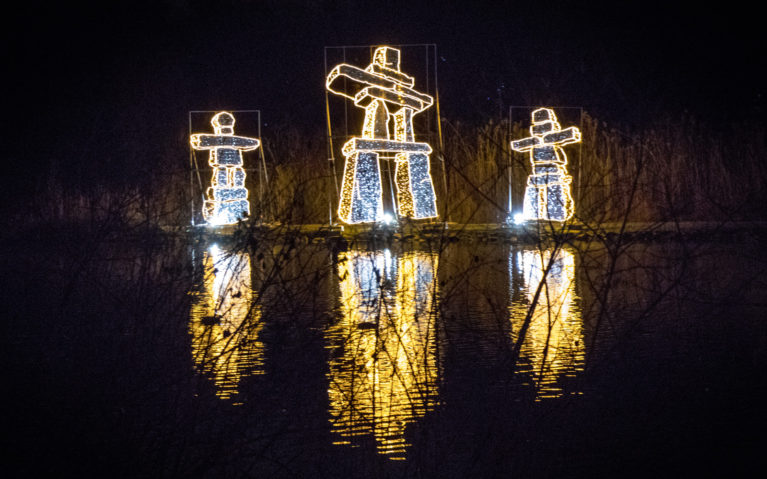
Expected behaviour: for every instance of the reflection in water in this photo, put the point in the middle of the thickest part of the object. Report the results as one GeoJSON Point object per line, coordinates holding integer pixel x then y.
{"type": "Point", "coordinates": [383, 365]}
{"type": "Point", "coordinates": [225, 322]}
{"type": "Point", "coordinates": [553, 346]}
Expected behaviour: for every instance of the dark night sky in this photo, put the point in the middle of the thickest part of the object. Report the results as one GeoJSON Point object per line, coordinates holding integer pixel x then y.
{"type": "Point", "coordinates": [101, 82]}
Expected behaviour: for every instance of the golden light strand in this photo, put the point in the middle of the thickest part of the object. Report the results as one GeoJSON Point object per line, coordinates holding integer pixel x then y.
{"type": "Point", "coordinates": [384, 92]}
{"type": "Point", "coordinates": [547, 195]}
{"type": "Point", "coordinates": [227, 197]}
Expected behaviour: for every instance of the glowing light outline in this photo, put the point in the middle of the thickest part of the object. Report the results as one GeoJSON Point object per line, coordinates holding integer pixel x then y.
{"type": "Point", "coordinates": [383, 84]}
{"type": "Point", "coordinates": [215, 211]}
{"type": "Point", "coordinates": [541, 137]}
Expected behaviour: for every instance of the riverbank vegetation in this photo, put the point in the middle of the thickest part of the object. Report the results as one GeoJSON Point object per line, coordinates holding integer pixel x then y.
{"type": "Point", "coordinates": [680, 169]}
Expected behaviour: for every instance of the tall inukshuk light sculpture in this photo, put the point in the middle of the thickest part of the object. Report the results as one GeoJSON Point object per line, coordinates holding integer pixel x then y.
{"type": "Point", "coordinates": [227, 198]}
{"type": "Point", "coordinates": [385, 93]}
{"type": "Point", "coordinates": [547, 196]}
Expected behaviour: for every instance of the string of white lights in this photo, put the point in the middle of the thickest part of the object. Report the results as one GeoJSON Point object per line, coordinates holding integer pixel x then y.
{"type": "Point", "coordinates": [227, 197]}
{"type": "Point", "coordinates": [385, 93]}
{"type": "Point", "coordinates": [547, 195]}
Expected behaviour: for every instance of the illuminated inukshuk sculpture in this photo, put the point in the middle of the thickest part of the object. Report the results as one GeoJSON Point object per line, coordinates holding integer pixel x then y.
{"type": "Point", "coordinates": [227, 198]}
{"type": "Point", "coordinates": [384, 92]}
{"type": "Point", "coordinates": [547, 196]}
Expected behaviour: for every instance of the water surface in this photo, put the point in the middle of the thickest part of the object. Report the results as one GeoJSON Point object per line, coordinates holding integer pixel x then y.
{"type": "Point", "coordinates": [459, 360]}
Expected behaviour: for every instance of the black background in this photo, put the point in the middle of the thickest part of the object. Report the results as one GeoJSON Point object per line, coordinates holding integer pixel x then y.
{"type": "Point", "coordinates": [108, 86]}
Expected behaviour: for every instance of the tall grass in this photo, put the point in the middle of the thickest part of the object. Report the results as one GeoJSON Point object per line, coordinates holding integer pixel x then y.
{"type": "Point", "coordinates": [678, 169]}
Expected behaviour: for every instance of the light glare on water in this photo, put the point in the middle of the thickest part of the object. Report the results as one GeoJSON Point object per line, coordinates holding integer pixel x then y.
{"type": "Point", "coordinates": [383, 367]}
{"type": "Point", "coordinates": [225, 322]}
{"type": "Point", "coordinates": [546, 319]}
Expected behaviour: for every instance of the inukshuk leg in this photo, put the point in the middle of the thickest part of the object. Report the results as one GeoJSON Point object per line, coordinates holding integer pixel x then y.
{"type": "Point", "coordinates": [360, 200]}
{"type": "Point", "coordinates": [559, 201]}
{"type": "Point", "coordinates": [415, 192]}
{"type": "Point", "coordinates": [532, 200]}
{"type": "Point", "coordinates": [543, 177]}
{"type": "Point", "coordinates": [220, 180]}
{"type": "Point", "coordinates": [235, 198]}
{"type": "Point", "coordinates": [361, 189]}
{"type": "Point", "coordinates": [227, 200]}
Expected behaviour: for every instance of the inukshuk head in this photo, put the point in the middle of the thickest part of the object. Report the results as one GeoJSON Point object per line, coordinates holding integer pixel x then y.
{"type": "Point", "coordinates": [223, 123]}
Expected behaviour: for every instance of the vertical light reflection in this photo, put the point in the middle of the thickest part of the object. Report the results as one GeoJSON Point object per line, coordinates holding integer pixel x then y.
{"type": "Point", "coordinates": [225, 322]}
{"type": "Point", "coordinates": [553, 347]}
{"type": "Point", "coordinates": [383, 365]}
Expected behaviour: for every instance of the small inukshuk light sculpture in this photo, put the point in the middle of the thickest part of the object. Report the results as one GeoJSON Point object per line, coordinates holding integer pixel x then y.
{"type": "Point", "coordinates": [227, 198]}
{"type": "Point", "coordinates": [385, 93]}
{"type": "Point", "coordinates": [547, 196]}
